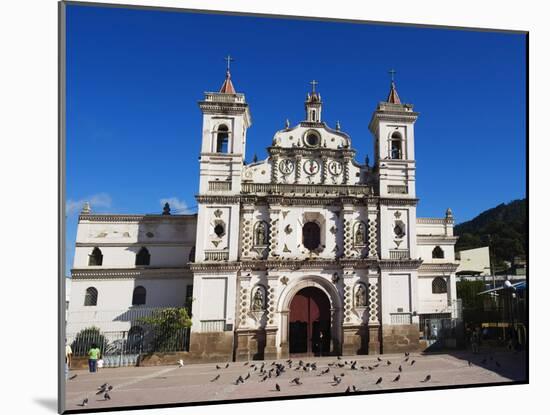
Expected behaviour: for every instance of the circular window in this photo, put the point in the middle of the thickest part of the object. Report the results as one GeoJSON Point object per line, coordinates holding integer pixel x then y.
{"type": "Point", "coordinates": [312, 139]}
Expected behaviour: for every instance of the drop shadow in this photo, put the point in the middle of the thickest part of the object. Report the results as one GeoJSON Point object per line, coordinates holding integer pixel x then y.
{"type": "Point", "coordinates": [48, 403]}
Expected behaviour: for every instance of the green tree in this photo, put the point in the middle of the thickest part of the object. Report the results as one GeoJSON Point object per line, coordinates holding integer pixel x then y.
{"type": "Point", "coordinates": [84, 340]}
{"type": "Point", "coordinates": [168, 325]}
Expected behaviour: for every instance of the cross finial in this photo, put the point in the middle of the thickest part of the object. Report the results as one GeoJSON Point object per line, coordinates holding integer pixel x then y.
{"type": "Point", "coordinates": [392, 72]}
{"type": "Point", "coordinates": [228, 59]}
{"type": "Point", "coordinates": [313, 83]}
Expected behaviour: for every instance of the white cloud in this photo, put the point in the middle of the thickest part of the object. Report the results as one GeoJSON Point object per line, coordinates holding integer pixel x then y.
{"type": "Point", "coordinates": [99, 200]}
{"type": "Point", "coordinates": [176, 205]}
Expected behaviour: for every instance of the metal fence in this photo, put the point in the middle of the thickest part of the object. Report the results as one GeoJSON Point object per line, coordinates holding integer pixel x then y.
{"type": "Point", "coordinates": [442, 332]}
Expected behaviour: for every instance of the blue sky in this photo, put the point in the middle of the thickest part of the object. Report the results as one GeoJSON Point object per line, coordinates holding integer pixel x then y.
{"type": "Point", "coordinates": [134, 78]}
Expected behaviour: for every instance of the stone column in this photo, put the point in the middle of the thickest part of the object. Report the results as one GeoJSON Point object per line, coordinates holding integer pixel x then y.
{"type": "Point", "coordinates": [347, 221]}
{"type": "Point", "coordinates": [298, 168]}
{"type": "Point", "coordinates": [242, 334]}
{"type": "Point", "coordinates": [373, 304]}
{"type": "Point", "coordinates": [275, 168]}
{"type": "Point", "coordinates": [247, 238]}
{"type": "Point", "coordinates": [270, 351]}
{"type": "Point", "coordinates": [372, 230]}
{"type": "Point", "coordinates": [347, 161]}
{"type": "Point", "coordinates": [324, 171]}
{"type": "Point", "coordinates": [273, 231]}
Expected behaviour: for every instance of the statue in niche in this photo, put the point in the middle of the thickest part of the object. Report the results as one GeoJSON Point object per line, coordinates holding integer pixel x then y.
{"type": "Point", "coordinates": [260, 234]}
{"type": "Point", "coordinates": [360, 234]}
{"type": "Point", "coordinates": [258, 300]}
{"type": "Point", "coordinates": [360, 296]}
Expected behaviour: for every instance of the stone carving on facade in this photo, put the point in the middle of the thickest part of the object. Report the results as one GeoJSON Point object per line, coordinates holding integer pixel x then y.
{"type": "Point", "coordinates": [360, 237]}
{"type": "Point", "coordinates": [360, 296]}
{"type": "Point", "coordinates": [261, 234]}
{"type": "Point", "coordinates": [258, 300]}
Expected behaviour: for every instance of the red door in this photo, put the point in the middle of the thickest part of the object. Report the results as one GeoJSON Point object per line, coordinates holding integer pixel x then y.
{"type": "Point", "coordinates": [309, 331]}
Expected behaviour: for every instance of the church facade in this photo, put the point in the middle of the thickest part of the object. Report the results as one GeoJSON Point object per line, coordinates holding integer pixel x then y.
{"type": "Point", "coordinates": [308, 252]}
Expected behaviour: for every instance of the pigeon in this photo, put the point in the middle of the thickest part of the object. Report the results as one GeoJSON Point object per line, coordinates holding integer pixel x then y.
{"type": "Point", "coordinates": [245, 364]}
{"type": "Point", "coordinates": [370, 367]}
{"type": "Point", "coordinates": [247, 376]}
{"type": "Point", "coordinates": [264, 378]}
{"type": "Point", "coordinates": [348, 390]}
{"type": "Point", "coordinates": [103, 386]}
{"type": "Point", "coordinates": [107, 397]}
{"type": "Point", "coordinates": [400, 369]}
{"type": "Point", "coordinates": [215, 379]}
{"type": "Point", "coordinates": [110, 388]}
{"type": "Point", "coordinates": [277, 387]}
{"type": "Point", "coordinates": [469, 363]}
{"type": "Point", "coordinates": [218, 367]}
{"type": "Point", "coordinates": [227, 365]}
{"type": "Point", "coordinates": [239, 380]}
{"type": "Point", "coordinates": [379, 359]}
{"type": "Point", "coordinates": [180, 363]}
{"type": "Point", "coordinates": [354, 388]}
{"type": "Point", "coordinates": [324, 372]}
{"type": "Point", "coordinates": [379, 381]}
{"type": "Point", "coordinates": [376, 365]}
{"type": "Point", "coordinates": [413, 362]}
{"type": "Point", "coordinates": [406, 360]}
{"type": "Point", "coordinates": [339, 357]}
{"type": "Point", "coordinates": [427, 378]}
{"type": "Point", "coordinates": [353, 367]}
{"type": "Point", "coordinates": [337, 381]}
{"type": "Point", "coordinates": [388, 363]}
{"type": "Point", "coordinates": [397, 378]}
{"type": "Point", "coordinates": [84, 402]}
{"type": "Point", "coordinates": [72, 377]}
{"type": "Point", "coordinates": [407, 354]}
{"type": "Point", "coordinates": [296, 381]}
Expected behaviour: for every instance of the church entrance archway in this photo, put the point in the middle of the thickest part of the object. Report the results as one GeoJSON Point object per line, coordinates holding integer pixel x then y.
{"type": "Point", "coordinates": [309, 323]}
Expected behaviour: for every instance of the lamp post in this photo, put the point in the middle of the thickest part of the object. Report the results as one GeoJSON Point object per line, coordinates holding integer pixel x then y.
{"type": "Point", "coordinates": [511, 293]}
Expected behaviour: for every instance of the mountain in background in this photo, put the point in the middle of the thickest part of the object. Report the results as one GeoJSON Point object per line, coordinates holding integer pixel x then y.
{"type": "Point", "coordinates": [503, 228]}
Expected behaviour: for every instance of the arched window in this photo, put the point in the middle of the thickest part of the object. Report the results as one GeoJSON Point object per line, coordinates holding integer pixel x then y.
{"type": "Point", "coordinates": [222, 139]}
{"type": "Point", "coordinates": [438, 252]}
{"type": "Point", "coordinates": [313, 115]}
{"type": "Point", "coordinates": [439, 286]}
{"type": "Point", "coordinates": [138, 298]}
{"type": "Point", "coordinates": [96, 257]}
{"type": "Point", "coordinates": [91, 296]}
{"type": "Point", "coordinates": [396, 146]}
{"type": "Point", "coordinates": [143, 257]}
{"type": "Point", "coordinates": [311, 235]}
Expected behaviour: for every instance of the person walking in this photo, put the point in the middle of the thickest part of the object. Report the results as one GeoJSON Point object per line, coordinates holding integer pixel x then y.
{"type": "Point", "coordinates": [93, 355]}
{"type": "Point", "coordinates": [68, 357]}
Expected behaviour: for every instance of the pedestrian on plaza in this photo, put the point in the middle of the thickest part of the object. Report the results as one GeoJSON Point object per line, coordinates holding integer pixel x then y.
{"type": "Point", "coordinates": [93, 355]}
{"type": "Point", "coordinates": [68, 357]}
{"type": "Point", "coordinates": [474, 340]}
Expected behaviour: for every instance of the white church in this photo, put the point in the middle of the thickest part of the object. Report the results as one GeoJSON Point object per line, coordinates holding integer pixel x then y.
{"type": "Point", "coordinates": [308, 252]}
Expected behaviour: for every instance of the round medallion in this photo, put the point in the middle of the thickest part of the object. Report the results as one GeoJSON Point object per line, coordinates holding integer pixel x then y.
{"type": "Point", "coordinates": [312, 138]}
{"type": "Point", "coordinates": [286, 166]}
{"type": "Point", "coordinates": [335, 168]}
{"type": "Point", "coordinates": [311, 166]}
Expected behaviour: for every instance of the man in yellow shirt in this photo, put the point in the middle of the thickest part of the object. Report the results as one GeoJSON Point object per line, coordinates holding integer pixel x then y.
{"type": "Point", "coordinates": [93, 354]}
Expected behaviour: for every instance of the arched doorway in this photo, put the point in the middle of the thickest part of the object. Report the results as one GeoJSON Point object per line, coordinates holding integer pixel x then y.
{"type": "Point", "coordinates": [309, 323]}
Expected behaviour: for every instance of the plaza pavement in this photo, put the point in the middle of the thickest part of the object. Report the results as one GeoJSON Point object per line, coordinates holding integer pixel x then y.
{"type": "Point", "coordinates": [193, 383]}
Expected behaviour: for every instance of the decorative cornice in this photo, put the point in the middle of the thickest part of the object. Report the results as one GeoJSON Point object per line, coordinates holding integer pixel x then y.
{"type": "Point", "coordinates": [100, 243]}
{"type": "Point", "coordinates": [407, 264]}
{"type": "Point", "coordinates": [219, 199]}
{"type": "Point", "coordinates": [129, 273]}
{"type": "Point", "coordinates": [136, 218]}
{"type": "Point", "coordinates": [436, 239]}
{"type": "Point", "coordinates": [316, 151]}
{"type": "Point", "coordinates": [397, 201]}
{"type": "Point", "coordinates": [442, 267]}
{"type": "Point", "coordinates": [307, 189]}
{"type": "Point", "coordinates": [433, 221]}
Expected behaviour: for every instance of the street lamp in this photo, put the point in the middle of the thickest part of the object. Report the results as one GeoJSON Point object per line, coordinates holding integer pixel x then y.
{"type": "Point", "coordinates": [511, 291]}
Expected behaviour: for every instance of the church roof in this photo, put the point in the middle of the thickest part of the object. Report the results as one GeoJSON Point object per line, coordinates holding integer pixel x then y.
{"type": "Point", "coordinates": [227, 87]}
{"type": "Point", "coordinates": [393, 97]}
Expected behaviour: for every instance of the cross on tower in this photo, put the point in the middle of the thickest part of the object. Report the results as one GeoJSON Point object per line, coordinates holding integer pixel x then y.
{"type": "Point", "coordinates": [313, 84]}
{"type": "Point", "coordinates": [392, 72]}
{"type": "Point", "coordinates": [229, 59]}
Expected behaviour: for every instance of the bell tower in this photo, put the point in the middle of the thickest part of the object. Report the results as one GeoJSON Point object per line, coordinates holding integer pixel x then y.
{"type": "Point", "coordinates": [392, 125]}
{"type": "Point", "coordinates": [226, 118]}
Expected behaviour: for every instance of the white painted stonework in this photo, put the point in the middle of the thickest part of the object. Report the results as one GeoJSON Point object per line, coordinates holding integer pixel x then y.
{"type": "Point", "coordinates": [248, 234]}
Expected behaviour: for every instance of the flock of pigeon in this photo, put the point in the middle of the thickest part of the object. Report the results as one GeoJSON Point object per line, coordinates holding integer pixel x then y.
{"type": "Point", "coordinates": [275, 370]}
